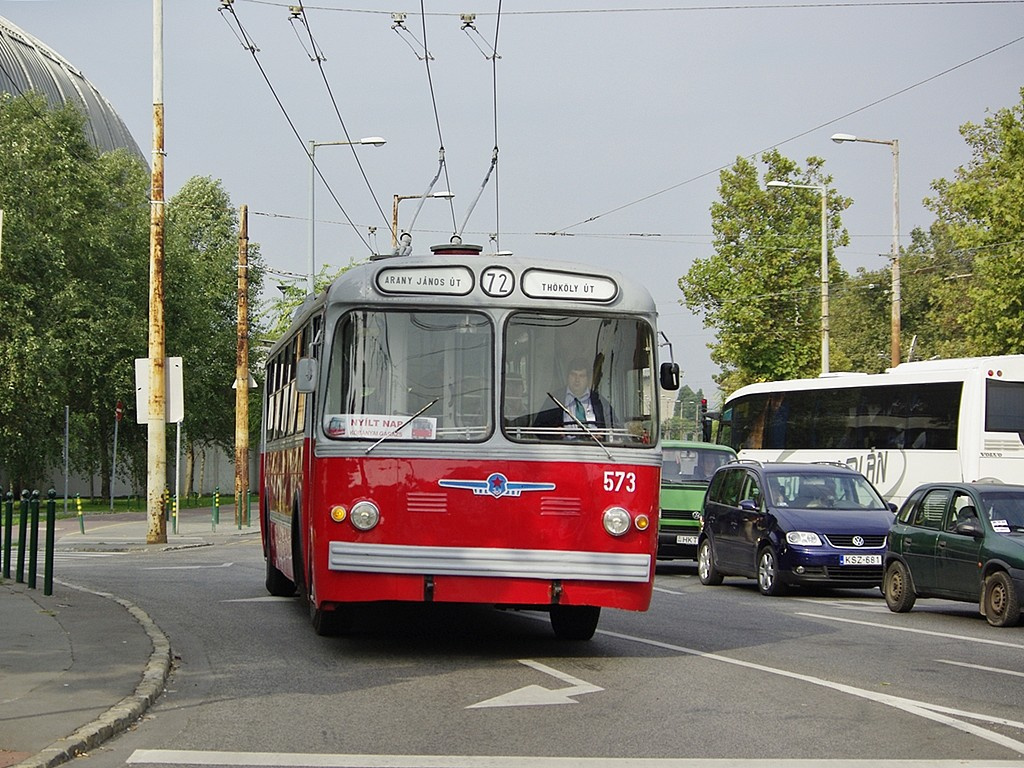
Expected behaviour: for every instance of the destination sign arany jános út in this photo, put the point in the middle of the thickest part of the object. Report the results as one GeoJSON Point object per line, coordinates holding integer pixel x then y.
{"type": "Point", "coordinates": [447, 281]}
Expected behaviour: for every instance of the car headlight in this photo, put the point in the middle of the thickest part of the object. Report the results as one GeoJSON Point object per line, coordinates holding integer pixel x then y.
{"type": "Point", "coordinates": [616, 521]}
{"type": "Point", "coordinates": [364, 515]}
{"type": "Point", "coordinates": [803, 539]}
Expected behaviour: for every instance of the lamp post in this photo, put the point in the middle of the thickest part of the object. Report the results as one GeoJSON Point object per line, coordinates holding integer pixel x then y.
{"type": "Point", "coordinates": [823, 191]}
{"type": "Point", "coordinates": [394, 210]}
{"type": "Point", "coordinates": [839, 138]}
{"type": "Point", "coordinates": [375, 141]}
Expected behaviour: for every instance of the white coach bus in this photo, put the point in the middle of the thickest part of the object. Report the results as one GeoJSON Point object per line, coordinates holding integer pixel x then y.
{"type": "Point", "coordinates": [935, 420]}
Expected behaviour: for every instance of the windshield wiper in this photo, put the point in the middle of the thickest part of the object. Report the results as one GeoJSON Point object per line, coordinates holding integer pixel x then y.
{"type": "Point", "coordinates": [588, 430]}
{"type": "Point", "coordinates": [401, 426]}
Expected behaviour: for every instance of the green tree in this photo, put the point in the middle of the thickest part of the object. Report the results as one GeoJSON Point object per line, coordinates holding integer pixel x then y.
{"type": "Point", "coordinates": [66, 272]}
{"type": "Point", "coordinates": [760, 290]}
{"type": "Point", "coordinates": [201, 285]}
{"type": "Point", "coordinates": [279, 310]}
{"type": "Point", "coordinates": [981, 215]}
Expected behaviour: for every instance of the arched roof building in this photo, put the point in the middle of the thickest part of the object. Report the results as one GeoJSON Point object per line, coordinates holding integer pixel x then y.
{"type": "Point", "coordinates": [27, 64]}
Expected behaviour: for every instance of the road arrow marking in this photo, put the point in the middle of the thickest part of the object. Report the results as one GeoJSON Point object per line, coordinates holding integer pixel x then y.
{"type": "Point", "coordinates": [536, 695]}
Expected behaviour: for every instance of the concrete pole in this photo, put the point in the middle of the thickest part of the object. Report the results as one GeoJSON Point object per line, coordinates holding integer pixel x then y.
{"type": "Point", "coordinates": [242, 377]}
{"type": "Point", "coordinates": [156, 465]}
{"type": "Point", "coordinates": [824, 281]}
{"type": "Point", "coordinates": [896, 299]}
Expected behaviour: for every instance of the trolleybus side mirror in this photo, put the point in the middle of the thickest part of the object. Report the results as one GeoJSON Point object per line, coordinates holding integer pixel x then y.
{"type": "Point", "coordinates": [670, 376]}
{"type": "Point", "coordinates": [305, 374]}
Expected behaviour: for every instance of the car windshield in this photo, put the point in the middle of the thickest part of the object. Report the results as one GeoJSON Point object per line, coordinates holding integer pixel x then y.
{"type": "Point", "coordinates": [688, 465]}
{"type": "Point", "coordinates": [822, 490]}
{"type": "Point", "coordinates": [1004, 510]}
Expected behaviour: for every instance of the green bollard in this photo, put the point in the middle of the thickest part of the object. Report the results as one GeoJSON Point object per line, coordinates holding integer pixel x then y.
{"type": "Point", "coordinates": [33, 538]}
{"type": "Point", "coordinates": [81, 517]}
{"type": "Point", "coordinates": [22, 530]}
{"type": "Point", "coordinates": [216, 507]}
{"type": "Point", "coordinates": [8, 522]}
{"type": "Point", "coordinates": [174, 527]}
{"type": "Point", "coordinates": [51, 523]}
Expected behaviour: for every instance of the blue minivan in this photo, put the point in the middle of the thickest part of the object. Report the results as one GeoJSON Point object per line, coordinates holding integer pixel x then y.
{"type": "Point", "coordinates": [791, 524]}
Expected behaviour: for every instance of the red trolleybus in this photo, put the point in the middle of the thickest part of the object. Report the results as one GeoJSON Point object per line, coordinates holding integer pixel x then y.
{"type": "Point", "coordinates": [422, 441]}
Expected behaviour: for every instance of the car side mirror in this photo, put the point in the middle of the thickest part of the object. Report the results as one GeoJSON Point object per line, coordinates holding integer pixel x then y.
{"type": "Point", "coordinates": [892, 507]}
{"type": "Point", "coordinates": [749, 505]}
{"type": "Point", "coordinates": [970, 528]}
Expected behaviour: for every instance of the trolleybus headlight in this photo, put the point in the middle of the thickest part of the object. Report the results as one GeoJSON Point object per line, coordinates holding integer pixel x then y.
{"type": "Point", "coordinates": [338, 513]}
{"type": "Point", "coordinates": [365, 515]}
{"type": "Point", "coordinates": [642, 522]}
{"type": "Point", "coordinates": [616, 521]}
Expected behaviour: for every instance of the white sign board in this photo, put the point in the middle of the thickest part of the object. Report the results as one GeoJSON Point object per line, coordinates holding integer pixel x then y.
{"type": "Point", "coordinates": [174, 390]}
{"type": "Point", "coordinates": [553, 284]}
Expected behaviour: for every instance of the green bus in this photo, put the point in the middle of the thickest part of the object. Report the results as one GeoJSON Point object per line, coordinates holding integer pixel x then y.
{"type": "Point", "coordinates": [686, 470]}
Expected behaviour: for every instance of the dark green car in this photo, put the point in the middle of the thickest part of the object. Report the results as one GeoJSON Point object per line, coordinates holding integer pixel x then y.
{"type": "Point", "coordinates": [686, 470]}
{"type": "Point", "coordinates": [959, 541]}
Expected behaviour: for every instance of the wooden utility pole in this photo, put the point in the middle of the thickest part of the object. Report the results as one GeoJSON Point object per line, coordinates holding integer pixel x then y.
{"type": "Point", "coordinates": [242, 377]}
{"type": "Point", "coordinates": [156, 450]}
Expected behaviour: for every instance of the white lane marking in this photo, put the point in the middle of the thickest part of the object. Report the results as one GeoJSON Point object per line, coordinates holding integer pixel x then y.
{"type": "Point", "coordinates": [536, 695]}
{"type": "Point", "coordinates": [263, 599]}
{"type": "Point", "coordinates": [981, 668]}
{"type": "Point", "coordinates": [187, 567]}
{"type": "Point", "coordinates": [948, 635]}
{"type": "Point", "coordinates": [300, 760]}
{"type": "Point", "coordinates": [848, 605]}
{"type": "Point", "coordinates": [910, 706]}
{"type": "Point", "coordinates": [668, 591]}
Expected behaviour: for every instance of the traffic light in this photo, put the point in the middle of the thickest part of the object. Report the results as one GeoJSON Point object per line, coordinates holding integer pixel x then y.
{"type": "Point", "coordinates": [705, 422]}
{"type": "Point", "coordinates": [703, 406]}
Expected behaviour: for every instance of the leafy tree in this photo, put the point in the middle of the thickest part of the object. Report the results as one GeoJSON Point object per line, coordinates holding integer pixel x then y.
{"type": "Point", "coordinates": [201, 284]}
{"type": "Point", "coordinates": [66, 272]}
{"type": "Point", "coordinates": [760, 291]}
{"type": "Point", "coordinates": [981, 214]}
{"type": "Point", "coordinates": [278, 313]}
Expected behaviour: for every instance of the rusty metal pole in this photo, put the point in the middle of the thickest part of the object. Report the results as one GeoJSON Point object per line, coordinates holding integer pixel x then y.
{"type": "Point", "coordinates": [242, 377]}
{"type": "Point", "coordinates": [156, 465]}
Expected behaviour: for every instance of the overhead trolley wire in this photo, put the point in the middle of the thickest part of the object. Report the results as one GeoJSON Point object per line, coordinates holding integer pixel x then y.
{"type": "Point", "coordinates": [298, 12]}
{"type": "Point", "coordinates": [683, 8]}
{"type": "Point", "coordinates": [562, 231]}
{"type": "Point", "coordinates": [249, 45]}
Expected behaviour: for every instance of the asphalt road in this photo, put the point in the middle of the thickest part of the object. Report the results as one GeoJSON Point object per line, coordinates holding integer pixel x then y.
{"type": "Point", "coordinates": [710, 676]}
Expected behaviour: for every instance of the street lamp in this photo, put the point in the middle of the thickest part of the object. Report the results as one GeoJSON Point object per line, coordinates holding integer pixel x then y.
{"type": "Point", "coordinates": [823, 191]}
{"type": "Point", "coordinates": [445, 195]}
{"type": "Point", "coordinates": [839, 138]}
{"type": "Point", "coordinates": [375, 141]}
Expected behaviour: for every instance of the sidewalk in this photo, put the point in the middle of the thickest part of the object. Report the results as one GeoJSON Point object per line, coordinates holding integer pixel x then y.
{"type": "Point", "coordinates": [62, 691]}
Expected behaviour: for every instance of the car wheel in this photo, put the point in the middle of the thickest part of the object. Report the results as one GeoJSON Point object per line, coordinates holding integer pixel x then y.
{"type": "Point", "coordinates": [898, 588]}
{"type": "Point", "coordinates": [706, 570]}
{"type": "Point", "coordinates": [1002, 604]}
{"type": "Point", "coordinates": [768, 580]}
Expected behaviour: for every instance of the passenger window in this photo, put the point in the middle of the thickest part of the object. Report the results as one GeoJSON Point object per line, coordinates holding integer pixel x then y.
{"type": "Point", "coordinates": [932, 509]}
{"type": "Point", "coordinates": [732, 483]}
{"type": "Point", "coordinates": [961, 511]}
{"type": "Point", "coordinates": [751, 490]}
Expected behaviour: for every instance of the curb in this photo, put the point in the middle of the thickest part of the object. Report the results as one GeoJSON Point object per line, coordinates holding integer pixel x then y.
{"type": "Point", "coordinates": [122, 715]}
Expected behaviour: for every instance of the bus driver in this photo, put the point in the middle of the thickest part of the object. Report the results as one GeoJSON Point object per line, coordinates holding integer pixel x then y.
{"type": "Point", "coordinates": [584, 403]}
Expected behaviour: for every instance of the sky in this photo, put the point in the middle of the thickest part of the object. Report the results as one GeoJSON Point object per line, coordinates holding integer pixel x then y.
{"type": "Point", "coordinates": [612, 121]}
